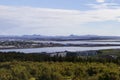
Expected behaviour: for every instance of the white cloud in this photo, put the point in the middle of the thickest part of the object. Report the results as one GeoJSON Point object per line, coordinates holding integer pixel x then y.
{"type": "Point", "coordinates": [118, 19]}
{"type": "Point", "coordinates": [25, 15]}
{"type": "Point", "coordinates": [100, 1]}
{"type": "Point", "coordinates": [41, 20]}
{"type": "Point", "coordinates": [104, 5]}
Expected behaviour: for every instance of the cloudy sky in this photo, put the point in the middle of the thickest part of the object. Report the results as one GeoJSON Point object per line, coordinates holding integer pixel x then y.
{"type": "Point", "coordinates": [60, 17]}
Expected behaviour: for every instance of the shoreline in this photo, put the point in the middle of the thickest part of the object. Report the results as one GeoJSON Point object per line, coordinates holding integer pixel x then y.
{"type": "Point", "coordinates": [71, 45]}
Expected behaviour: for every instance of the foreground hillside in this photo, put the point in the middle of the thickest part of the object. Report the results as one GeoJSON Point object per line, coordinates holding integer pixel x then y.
{"type": "Point", "coordinates": [58, 71]}
{"type": "Point", "coordinates": [105, 65]}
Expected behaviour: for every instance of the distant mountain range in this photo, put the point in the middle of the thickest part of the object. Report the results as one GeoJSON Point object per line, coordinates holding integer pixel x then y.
{"type": "Point", "coordinates": [71, 37]}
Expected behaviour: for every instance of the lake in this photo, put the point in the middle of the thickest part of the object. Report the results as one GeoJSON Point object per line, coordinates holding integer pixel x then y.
{"type": "Point", "coordinates": [61, 49]}
{"type": "Point", "coordinates": [58, 49]}
{"type": "Point", "coordinates": [81, 42]}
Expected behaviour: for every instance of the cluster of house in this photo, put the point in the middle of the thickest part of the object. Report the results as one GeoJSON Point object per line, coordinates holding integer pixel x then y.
{"type": "Point", "coordinates": [82, 53]}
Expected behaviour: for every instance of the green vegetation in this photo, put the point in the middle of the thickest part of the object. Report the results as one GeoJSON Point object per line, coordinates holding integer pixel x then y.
{"type": "Point", "coordinates": [102, 56]}
{"type": "Point", "coordinates": [58, 71]}
{"type": "Point", "coordinates": [19, 66]}
{"type": "Point", "coordinates": [115, 52]}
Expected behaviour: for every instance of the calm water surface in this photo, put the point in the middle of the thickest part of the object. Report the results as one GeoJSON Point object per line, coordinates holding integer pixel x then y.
{"type": "Point", "coordinates": [61, 49]}
{"type": "Point", "coordinates": [80, 42]}
{"type": "Point", "coordinates": [58, 49]}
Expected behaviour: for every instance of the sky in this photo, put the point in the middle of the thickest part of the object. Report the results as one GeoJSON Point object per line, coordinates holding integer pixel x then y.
{"type": "Point", "coordinates": [60, 17]}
